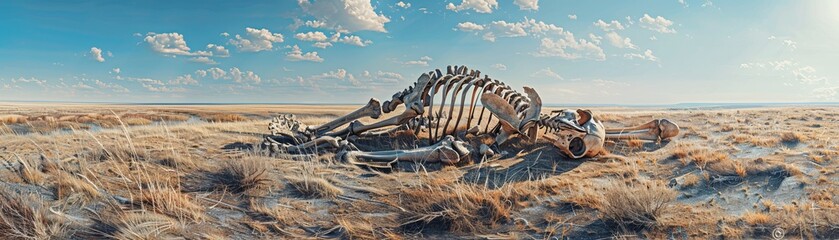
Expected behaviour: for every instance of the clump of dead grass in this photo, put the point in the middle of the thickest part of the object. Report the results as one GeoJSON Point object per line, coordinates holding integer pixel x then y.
{"type": "Point", "coordinates": [135, 225]}
{"type": "Point", "coordinates": [792, 138]}
{"type": "Point", "coordinates": [248, 175]}
{"type": "Point", "coordinates": [23, 217]}
{"type": "Point", "coordinates": [458, 208]}
{"type": "Point", "coordinates": [67, 184]}
{"type": "Point", "coordinates": [225, 117]}
{"type": "Point", "coordinates": [171, 202]}
{"type": "Point", "coordinates": [311, 185]}
{"type": "Point", "coordinates": [638, 205]}
{"type": "Point", "coordinates": [12, 119]}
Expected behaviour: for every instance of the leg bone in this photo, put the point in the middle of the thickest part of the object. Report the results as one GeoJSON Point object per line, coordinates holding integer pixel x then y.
{"type": "Point", "coordinates": [448, 151]}
{"type": "Point", "coordinates": [655, 130]}
{"type": "Point", "coordinates": [373, 109]}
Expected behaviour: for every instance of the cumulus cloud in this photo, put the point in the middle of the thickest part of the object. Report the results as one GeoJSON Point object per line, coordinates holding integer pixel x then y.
{"type": "Point", "coordinates": [256, 40]}
{"type": "Point", "coordinates": [215, 73]}
{"type": "Point", "coordinates": [611, 26]}
{"type": "Point", "coordinates": [112, 86]}
{"type": "Point", "coordinates": [647, 55]}
{"type": "Point", "coordinates": [116, 70]}
{"type": "Point", "coordinates": [546, 73]}
{"type": "Point", "coordinates": [527, 4]}
{"type": "Point", "coordinates": [243, 76]}
{"type": "Point", "coordinates": [31, 80]}
{"type": "Point", "coordinates": [423, 61]}
{"type": "Point", "coordinates": [184, 80]}
{"type": "Point", "coordinates": [96, 53]}
{"type": "Point", "coordinates": [171, 43]}
{"type": "Point", "coordinates": [481, 6]}
{"type": "Point", "coordinates": [351, 40]}
{"type": "Point", "coordinates": [322, 44]}
{"type": "Point", "coordinates": [469, 27]}
{"type": "Point", "coordinates": [218, 51]}
{"type": "Point", "coordinates": [296, 54]}
{"type": "Point", "coordinates": [204, 60]}
{"type": "Point", "coordinates": [594, 38]}
{"type": "Point", "coordinates": [806, 75]}
{"type": "Point", "coordinates": [572, 16]}
{"type": "Point", "coordinates": [658, 24]}
{"type": "Point", "coordinates": [499, 66]}
{"type": "Point", "coordinates": [619, 42]}
{"type": "Point", "coordinates": [505, 29]}
{"type": "Point", "coordinates": [311, 36]}
{"type": "Point", "coordinates": [403, 4]}
{"type": "Point", "coordinates": [345, 15]}
{"type": "Point", "coordinates": [389, 76]}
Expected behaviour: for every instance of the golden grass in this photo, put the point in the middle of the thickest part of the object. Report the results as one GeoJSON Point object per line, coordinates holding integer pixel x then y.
{"type": "Point", "coordinates": [753, 218]}
{"type": "Point", "coordinates": [12, 119]}
{"type": "Point", "coordinates": [22, 218]}
{"type": "Point", "coordinates": [171, 202]}
{"type": "Point", "coordinates": [459, 208]}
{"type": "Point", "coordinates": [229, 117]}
{"type": "Point", "coordinates": [314, 186]}
{"type": "Point", "coordinates": [249, 176]}
{"type": "Point", "coordinates": [636, 205]}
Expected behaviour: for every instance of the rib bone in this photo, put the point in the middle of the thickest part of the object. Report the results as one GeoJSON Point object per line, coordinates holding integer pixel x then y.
{"type": "Point", "coordinates": [655, 130]}
{"type": "Point", "coordinates": [373, 109]}
{"type": "Point", "coordinates": [448, 151]}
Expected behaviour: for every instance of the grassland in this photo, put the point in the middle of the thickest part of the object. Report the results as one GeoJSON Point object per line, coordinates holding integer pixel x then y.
{"type": "Point", "coordinates": [78, 171]}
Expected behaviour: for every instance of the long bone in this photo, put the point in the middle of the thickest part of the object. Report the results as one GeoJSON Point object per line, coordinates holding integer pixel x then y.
{"type": "Point", "coordinates": [448, 151]}
{"type": "Point", "coordinates": [655, 130]}
{"type": "Point", "coordinates": [303, 147]}
{"type": "Point", "coordinates": [373, 110]}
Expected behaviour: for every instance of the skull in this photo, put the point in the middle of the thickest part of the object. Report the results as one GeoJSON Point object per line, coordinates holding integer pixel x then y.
{"type": "Point", "coordinates": [576, 133]}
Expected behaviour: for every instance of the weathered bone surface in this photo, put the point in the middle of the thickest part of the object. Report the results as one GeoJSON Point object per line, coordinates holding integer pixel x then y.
{"type": "Point", "coordinates": [444, 107]}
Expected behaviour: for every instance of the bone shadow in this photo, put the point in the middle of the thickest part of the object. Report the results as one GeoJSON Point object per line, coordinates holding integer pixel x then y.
{"type": "Point", "coordinates": [623, 147]}
{"type": "Point", "coordinates": [538, 161]}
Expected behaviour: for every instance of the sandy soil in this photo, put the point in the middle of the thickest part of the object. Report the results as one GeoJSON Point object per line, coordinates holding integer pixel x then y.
{"type": "Point", "coordinates": [83, 171]}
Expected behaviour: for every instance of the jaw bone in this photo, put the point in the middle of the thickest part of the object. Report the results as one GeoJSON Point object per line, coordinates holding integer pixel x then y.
{"type": "Point", "coordinates": [655, 130]}
{"type": "Point", "coordinates": [373, 109]}
{"type": "Point", "coordinates": [448, 151]}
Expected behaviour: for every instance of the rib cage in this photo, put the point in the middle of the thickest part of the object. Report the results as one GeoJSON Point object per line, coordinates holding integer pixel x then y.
{"type": "Point", "coordinates": [454, 87]}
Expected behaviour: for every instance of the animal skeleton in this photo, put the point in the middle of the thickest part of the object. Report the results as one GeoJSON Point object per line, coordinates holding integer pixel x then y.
{"type": "Point", "coordinates": [577, 133]}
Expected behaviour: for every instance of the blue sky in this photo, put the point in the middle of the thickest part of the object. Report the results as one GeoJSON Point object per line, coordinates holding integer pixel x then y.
{"type": "Point", "coordinates": [346, 51]}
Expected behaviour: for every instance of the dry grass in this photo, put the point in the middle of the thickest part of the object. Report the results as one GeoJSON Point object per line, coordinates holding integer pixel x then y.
{"type": "Point", "coordinates": [636, 205]}
{"type": "Point", "coordinates": [249, 176]}
{"type": "Point", "coordinates": [171, 202]}
{"type": "Point", "coordinates": [230, 117]}
{"type": "Point", "coordinates": [459, 208]}
{"type": "Point", "coordinates": [12, 119]}
{"type": "Point", "coordinates": [21, 217]}
{"type": "Point", "coordinates": [314, 186]}
{"type": "Point", "coordinates": [753, 218]}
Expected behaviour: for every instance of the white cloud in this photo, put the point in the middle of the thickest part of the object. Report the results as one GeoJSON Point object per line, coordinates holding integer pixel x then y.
{"type": "Point", "coordinates": [225, 34]}
{"type": "Point", "coordinates": [215, 73]}
{"type": "Point", "coordinates": [499, 66]}
{"type": "Point", "coordinates": [658, 24]}
{"type": "Point", "coordinates": [311, 36]}
{"type": "Point", "coordinates": [389, 76]}
{"type": "Point", "coordinates": [527, 4]}
{"type": "Point", "coordinates": [256, 40]}
{"type": "Point", "coordinates": [619, 42]}
{"type": "Point", "coordinates": [96, 53]}
{"type": "Point", "coordinates": [82, 86]}
{"type": "Point", "coordinates": [612, 26]}
{"type": "Point", "coordinates": [204, 60]}
{"type": "Point", "coordinates": [403, 4]}
{"type": "Point", "coordinates": [481, 6]}
{"type": "Point", "coordinates": [423, 61]}
{"type": "Point", "coordinates": [322, 44]}
{"type": "Point", "coordinates": [469, 27]}
{"type": "Point", "coordinates": [39, 82]}
{"type": "Point", "coordinates": [218, 50]}
{"type": "Point", "coordinates": [594, 38]}
{"type": "Point", "coordinates": [351, 40]}
{"type": "Point", "coordinates": [504, 29]}
{"type": "Point", "coordinates": [296, 54]}
{"type": "Point", "coordinates": [653, 38]}
{"type": "Point", "coordinates": [806, 75]}
{"type": "Point", "coordinates": [345, 15]}
{"type": "Point", "coordinates": [112, 86]}
{"type": "Point", "coordinates": [825, 93]}
{"type": "Point", "coordinates": [791, 44]}
{"type": "Point", "coordinates": [184, 80]}
{"type": "Point", "coordinates": [171, 43]}
{"type": "Point", "coordinates": [572, 16]}
{"type": "Point", "coordinates": [647, 55]}
{"type": "Point", "coordinates": [546, 73]}
{"type": "Point", "coordinates": [315, 24]}
{"type": "Point", "coordinates": [244, 77]}
{"type": "Point", "coordinates": [116, 70]}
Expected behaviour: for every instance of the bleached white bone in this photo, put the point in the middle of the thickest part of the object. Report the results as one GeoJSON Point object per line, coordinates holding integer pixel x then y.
{"type": "Point", "coordinates": [448, 151]}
